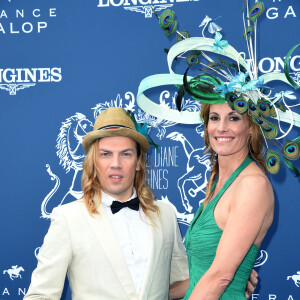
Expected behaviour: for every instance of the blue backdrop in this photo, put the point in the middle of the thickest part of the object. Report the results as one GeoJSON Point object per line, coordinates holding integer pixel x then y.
{"type": "Point", "coordinates": [63, 62]}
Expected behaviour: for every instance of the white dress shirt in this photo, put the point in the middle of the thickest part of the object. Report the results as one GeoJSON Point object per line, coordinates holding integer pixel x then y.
{"type": "Point", "coordinates": [133, 235]}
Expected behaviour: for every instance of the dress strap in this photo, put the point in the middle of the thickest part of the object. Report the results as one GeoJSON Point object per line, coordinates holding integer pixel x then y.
{"type": "Point", "coordinates": [228, 182]}
{"type": "Point", "coordinates": [233, 176]}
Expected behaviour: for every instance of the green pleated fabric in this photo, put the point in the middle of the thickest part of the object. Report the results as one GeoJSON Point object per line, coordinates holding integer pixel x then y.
{"type": "Point", "coordinates": [202, 239]}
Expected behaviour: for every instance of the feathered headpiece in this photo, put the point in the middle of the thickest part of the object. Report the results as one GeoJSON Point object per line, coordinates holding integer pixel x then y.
{"type": "Point", "coordinates": [232, 81]}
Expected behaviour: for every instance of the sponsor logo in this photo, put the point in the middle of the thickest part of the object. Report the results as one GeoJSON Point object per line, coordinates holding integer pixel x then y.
{"type": "Point", "coordinates": [273, 13]}
{"type": "Point", "coordinates": [273, 297]}
{"type": "Point", "coordinates": [141, 6]}
{"type": "Point", "coordinates": [147, 10]}
{"type": "Point", "coordinates": [276, 64]}
{"type": "Point", "coordinates": [14, 272]}
{"type": "Point", "coordinates": [295, 278]}
{"type": "Point", "coordinates": [16, 292]}
{"type": "Point", "coordinates": [22, 21]}
{"type": "Point", "coordinates": [13, 80]}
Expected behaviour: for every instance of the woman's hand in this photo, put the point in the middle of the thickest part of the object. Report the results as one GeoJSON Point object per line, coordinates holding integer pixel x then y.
{"type": "Point", "coordinates": [178, 289]}
{"type": "Point", "coordinates": [251, 284]}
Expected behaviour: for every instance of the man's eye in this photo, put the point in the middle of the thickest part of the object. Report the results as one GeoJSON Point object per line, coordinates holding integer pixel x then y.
{"type": "Point", "coordinates": [126, 154]}
{"type": "Point", "coordinates": [104, 154]}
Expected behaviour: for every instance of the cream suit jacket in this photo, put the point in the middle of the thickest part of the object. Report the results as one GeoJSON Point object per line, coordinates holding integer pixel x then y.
{"type": "Point", "coordinates": [86, 249]}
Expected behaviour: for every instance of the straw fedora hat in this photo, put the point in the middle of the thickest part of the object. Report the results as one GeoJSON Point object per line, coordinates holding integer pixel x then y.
{"type": "Point", "coordinates": [114, 121]}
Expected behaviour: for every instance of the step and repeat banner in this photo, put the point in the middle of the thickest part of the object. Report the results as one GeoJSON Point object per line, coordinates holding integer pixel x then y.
{"type": "Point", "coordinates": [63, 62]}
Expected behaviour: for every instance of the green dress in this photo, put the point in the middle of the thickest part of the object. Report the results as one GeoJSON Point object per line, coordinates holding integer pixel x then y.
{"type": "Point", "coordinates": [202, 239]}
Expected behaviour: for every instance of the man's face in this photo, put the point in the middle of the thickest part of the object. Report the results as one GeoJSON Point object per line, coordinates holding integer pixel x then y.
{"type": "Point", "coordinates": [117, 163]}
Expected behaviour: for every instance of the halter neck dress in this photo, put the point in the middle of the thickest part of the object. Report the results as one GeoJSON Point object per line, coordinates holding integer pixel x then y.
{"type": "Point", "coordinates": [202, 239]}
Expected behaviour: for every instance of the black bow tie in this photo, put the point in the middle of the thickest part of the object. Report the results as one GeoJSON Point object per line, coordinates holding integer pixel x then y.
{"type": "Point", "coordinates": [133, 204]}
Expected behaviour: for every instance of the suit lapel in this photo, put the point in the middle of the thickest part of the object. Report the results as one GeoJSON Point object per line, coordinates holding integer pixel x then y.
{"type": "Point", "coordinates": [105, 234]}
{"type": "Point", "coordinates": [155, 249]}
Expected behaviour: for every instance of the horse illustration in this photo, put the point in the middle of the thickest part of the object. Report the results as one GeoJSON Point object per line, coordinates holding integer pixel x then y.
{"type": "Point", "coordinates": [14, 272]}
{"type": "Point", "coordinates": [196, 159]}
{"type": "Point", "coordinates": [70, 155]}
{"type": "Point", "coordinates": [295, 278]}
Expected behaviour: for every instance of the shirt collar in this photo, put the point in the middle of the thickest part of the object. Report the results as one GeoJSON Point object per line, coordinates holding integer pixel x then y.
{"type": "Point", "coordinates": [107, 200]}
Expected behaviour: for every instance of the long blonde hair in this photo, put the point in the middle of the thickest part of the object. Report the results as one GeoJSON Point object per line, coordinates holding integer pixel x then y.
{"type": "Point", "coordinates": [91, 186]}
{"type": "Point", "coordinates": [256, 148]}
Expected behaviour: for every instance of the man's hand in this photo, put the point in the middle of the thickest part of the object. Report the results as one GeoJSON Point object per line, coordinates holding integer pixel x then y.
{"type": "Point", "coordinates": [251, 285]}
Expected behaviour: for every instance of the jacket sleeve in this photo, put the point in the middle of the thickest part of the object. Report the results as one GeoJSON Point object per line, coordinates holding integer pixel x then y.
{"type": "Point", "coordinates": [54, 257]}
{"type": "Point", "coordinates": [179, 264]}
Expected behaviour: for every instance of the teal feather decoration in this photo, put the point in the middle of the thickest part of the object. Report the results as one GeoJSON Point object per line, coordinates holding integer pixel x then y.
{"type": "Point", "coordinates": [142, 128]}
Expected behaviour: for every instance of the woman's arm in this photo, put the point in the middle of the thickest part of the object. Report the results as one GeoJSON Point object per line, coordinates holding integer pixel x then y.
{"type": "Point", "coordinates": [250, 214]}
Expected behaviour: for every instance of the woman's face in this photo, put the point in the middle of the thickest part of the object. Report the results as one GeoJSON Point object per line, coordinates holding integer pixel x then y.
{"type": "Point", "coordinates": [228, 131]}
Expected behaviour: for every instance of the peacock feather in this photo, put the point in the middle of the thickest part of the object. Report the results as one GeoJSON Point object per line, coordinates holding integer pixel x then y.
{"type": "Point", "coordinates": [280, 106]}
{"type": "Point", "coordinates": [270, 130]}
{"type": "Point", "coordinates": [272, 162]}
{"type": "Point", "coordinates": [168, 22]}
{"type": "Point", "coordinates": [263, 108]}
{"type": "Point", "coordinates": [192, 59]}
{"type": "Point", "coordinates": [182, 36]}
{"type": "Point", "coordinates": [248, 32]}
{"type": "Point", "coordinates": [230, 98]}
{"type": "Point", "coordinates": [252, 108]}
{"type": "Point", "coordinates": [290, 150]}
{"type": "Point", "coordinates": [272, 111]}
{"type": "Point", "coordinates": [256, 10]}
{"type": "Point", "coordinates": [240, 105]}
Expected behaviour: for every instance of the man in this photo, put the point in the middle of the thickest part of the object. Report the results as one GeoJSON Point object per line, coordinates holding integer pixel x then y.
{"type": "Point", "coordinates": [116, 242]}
{"type": "Point", "coordinates": [109, 251]}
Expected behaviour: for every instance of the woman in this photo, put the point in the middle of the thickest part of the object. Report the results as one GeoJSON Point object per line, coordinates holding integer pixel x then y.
{"type": "Point", "coordinates": [222, 241]}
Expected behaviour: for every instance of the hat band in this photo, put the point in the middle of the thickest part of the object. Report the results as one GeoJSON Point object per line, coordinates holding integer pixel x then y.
{"type": "Point", "coordinates": [113, 127]}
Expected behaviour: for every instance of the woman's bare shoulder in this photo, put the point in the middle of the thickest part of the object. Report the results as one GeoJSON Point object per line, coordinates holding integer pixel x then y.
{"type": "Point", "coordinates": [255, 184]}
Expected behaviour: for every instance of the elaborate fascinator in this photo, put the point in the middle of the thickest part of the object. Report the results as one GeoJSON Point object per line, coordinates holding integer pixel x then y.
{"type": "Point", "coordinates": [225, 76]}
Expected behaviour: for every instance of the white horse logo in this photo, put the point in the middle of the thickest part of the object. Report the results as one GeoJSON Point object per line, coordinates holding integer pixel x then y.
{"type": "Point", "coordinates": [70, 155]}
{"type": "Point", "coordinates": [295, 278]}
{"type": "Point", "coordinates": [14, 272]}
{"type": "Point", "coordinates": [194, 168]}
